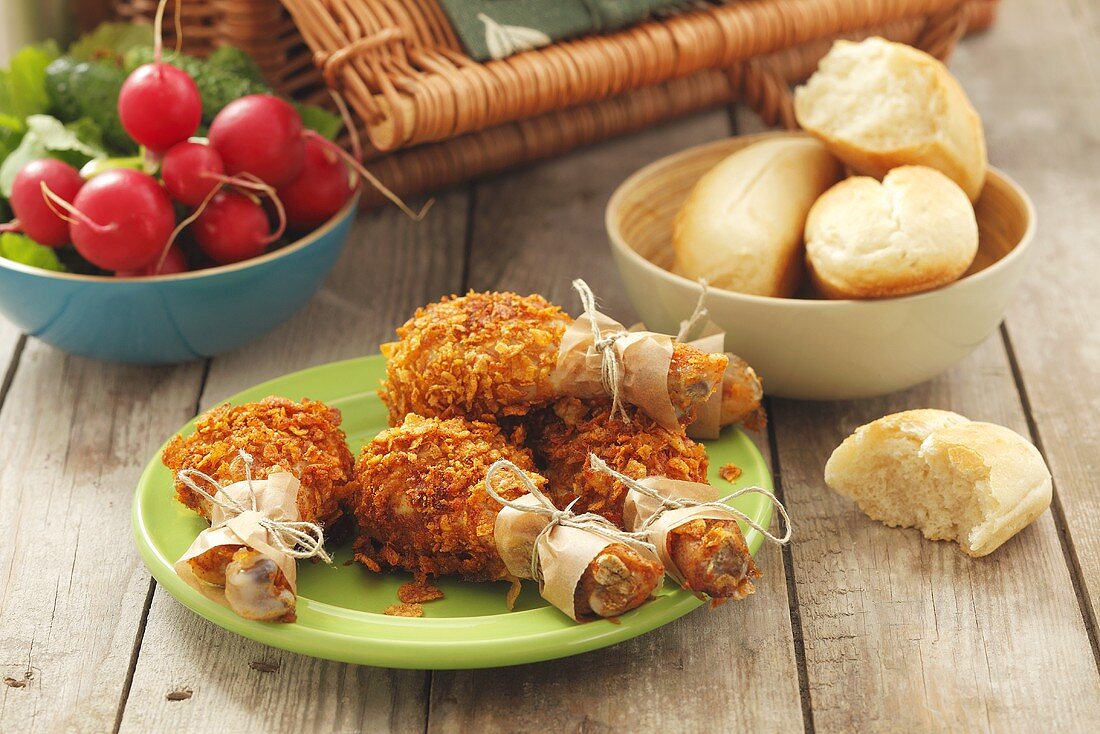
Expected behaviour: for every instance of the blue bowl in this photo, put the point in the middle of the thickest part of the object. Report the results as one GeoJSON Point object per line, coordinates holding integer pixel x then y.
{"type": "Point", "coordinates": [171, 318]}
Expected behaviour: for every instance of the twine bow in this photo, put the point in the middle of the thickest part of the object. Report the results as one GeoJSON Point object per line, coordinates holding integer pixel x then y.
{"type": "Point", "coordinates": [611, 364]}
{"type": "Point", "coordinates": [589, 521]}
{"type": "Point", "coordinates": [688, 325]}
{"type": "Point", "coordinates": [296, 538]}
{"type": "Point", "coordinates": [669, 503]}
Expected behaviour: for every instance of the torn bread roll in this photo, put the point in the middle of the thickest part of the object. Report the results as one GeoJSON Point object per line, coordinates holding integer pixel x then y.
{"type": "Point", "coordinates": [912, 232]}
{"type": "Point", "coordinates": [878, 105]}
{"type": "Point", "coordinates": [954, 479]}
{"type": "Point", "coordinates": [741, 226]}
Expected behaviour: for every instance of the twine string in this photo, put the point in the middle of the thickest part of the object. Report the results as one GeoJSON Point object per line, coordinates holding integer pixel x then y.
{"type": "Point", "coordinates": [297, 538]}
{"type": "Point", "coordinates": [588, 521]}
{"type": "Point", "coordinates": [669, 503]}
{"type": "Point", "coordinates": [611, 364]}
{"type": "Point", "coordinates": [700, 313]}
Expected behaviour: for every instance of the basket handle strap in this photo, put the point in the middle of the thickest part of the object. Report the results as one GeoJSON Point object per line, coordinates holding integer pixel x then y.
{"type": "Point", "coordinates": [943, 29]}
{"type": "Point", "coordinates": [757, 83]}
{"type": "Point", "coordinates": [331, 63]}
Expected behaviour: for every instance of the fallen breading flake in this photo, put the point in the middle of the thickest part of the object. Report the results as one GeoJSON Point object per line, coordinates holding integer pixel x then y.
{"type": "Point", "coordinates": [419, 591]}
{"type": "Point", "coordinates": [730, 472]}
{"type": "Point", "coordinates": [404, 610]}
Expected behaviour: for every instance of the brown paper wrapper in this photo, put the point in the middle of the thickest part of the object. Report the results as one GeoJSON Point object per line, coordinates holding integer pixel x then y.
{"type": "Point", "coordinates": [564, 552]}
{"type": "Point", "coordinates": [645, 357]}
{"type": "Point", "coordinates": [276, 499]}
{"type": "Point", "coordinates": [638, 508]}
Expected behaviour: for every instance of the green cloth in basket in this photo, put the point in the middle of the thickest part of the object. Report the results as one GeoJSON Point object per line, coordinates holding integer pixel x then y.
{"type": "Point", "coordinates": [493, 29]}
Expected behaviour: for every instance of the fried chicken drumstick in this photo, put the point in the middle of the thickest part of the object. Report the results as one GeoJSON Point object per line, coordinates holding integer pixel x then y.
{"type": "Point", "coordinates": [281, 435]}
{"type": "Point", "coordinates": [275, 435]}
{"type": "Point", "coordinates": [483, 356]}
{"type": "Point", "coordinates": [422, 506]}
{"type": "Point", "coordinates": [711, 554]}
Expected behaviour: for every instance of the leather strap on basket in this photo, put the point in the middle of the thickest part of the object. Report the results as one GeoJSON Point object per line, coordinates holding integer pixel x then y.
{"type": "Point", "coordinates": [942, 30]}
{"type": "Point", "coordinates": [758, 84]}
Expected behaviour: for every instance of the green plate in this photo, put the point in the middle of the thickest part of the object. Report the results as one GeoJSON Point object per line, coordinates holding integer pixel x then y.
{"type": "Point", "coordinates": [340, 606]}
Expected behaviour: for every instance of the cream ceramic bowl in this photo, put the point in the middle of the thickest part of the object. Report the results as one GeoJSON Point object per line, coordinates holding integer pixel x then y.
{"type": "Point", "coordinates": [819, 349]}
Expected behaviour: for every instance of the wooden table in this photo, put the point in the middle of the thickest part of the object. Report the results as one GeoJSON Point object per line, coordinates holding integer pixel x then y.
{"type": "Point", "coordinates": [854, 627]}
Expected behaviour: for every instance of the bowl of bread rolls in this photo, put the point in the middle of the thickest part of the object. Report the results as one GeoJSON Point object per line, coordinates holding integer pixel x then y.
{"type": "Point", "coordinates": [862, 256]}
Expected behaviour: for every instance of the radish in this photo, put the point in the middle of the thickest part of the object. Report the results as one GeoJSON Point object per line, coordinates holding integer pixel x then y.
{"type": "Point", "coordinates": [232, 227]}
{"type": "Point", "coordinates": [34, 216]}
{"type": "Point", "coordinates": [319, 191]}
{"type": "Point", "coordinates": [191, 171]}
{"type": "Point", "coordinates": [120, 220]}
{"type": "Point", "coordinates": [262, 135]}
{"type": "Point", "coordinates": [159, 104]}
{"type": "Point", "coordinates": [174, 262]}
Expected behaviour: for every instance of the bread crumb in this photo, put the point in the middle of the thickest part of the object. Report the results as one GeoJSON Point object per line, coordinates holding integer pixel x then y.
{"type": "Point", "coordinates": [404, 610]}
{"type": "Point", "coordinates": [730, 472]}
{"type": "Point", "coordinates": [418, 591]}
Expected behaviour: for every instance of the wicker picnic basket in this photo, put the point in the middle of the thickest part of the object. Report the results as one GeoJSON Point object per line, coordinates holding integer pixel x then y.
{"type": "Point", "coordinates": [434, 117]}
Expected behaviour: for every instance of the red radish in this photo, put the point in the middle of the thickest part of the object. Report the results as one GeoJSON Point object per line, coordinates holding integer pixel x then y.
{"type": "Point", "coordinates": [174, 262]}
{"type": "Point", "coordinates": [120, 220]}
{"type": "Point", "coordinates": [191, 171]}
{"type": "Point", "coordinates": [36, 218]}
{"type": "Point", "coordinates": [319, 191]}
{"type": "Point", "coordinates": [232, 227]}
{"type": "Point", "coordinates": [159, 105]}
{"type": "Point", "coordinates": [262, 135]}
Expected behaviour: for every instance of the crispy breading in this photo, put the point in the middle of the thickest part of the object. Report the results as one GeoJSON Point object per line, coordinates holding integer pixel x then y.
{"type": "Point", "coordinates": [713, 558]}
{"type": "Point", "coordinates": [488, 356]}
{"type": "Point", "coordinates": [302, 438]}
{"type": "Point", "coordinates": [404, 610]}
{"type": "Point", "coordinates": [478, 356]}
{"type": "Point", "coordinates": [563, 437]}
{"type": "Point", "coordinates": [730, 472]}
{"type": "Point", "coordinates": [422, 504]}
{"type": "Point", "coordinates": [710, 553]}
{"type": "Point", "coordinates": [418, 592]}
{"type": "Point", "coordinates": [422, 507]}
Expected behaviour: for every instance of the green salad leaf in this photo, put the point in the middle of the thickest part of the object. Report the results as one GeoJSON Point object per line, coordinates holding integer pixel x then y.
{"type": "Point", "coordinates": [22, 249]}
{"type": "Point", "coordinates": [89, 89]}
{"type": "Point", "coordinates": [111, 41]}
{"type": "Point", "coordinates": [321, 120]}
{"type": "Point", "coordinates": [11, 132]}
{"type": "Point", "coordinates": [23, 83]}
{"type": "Point", "coordinates": [48, 137]}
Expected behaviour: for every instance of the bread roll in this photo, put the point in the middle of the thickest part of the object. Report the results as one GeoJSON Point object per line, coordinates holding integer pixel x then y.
{"type": "Point", "coordinates": [878, 105]}
{"type": "Point", "coordinates": [913, 232]}
{"type": "Point", "coordinates": [975, 483]}
{"type": "Point", "coordinates": [741, 227]}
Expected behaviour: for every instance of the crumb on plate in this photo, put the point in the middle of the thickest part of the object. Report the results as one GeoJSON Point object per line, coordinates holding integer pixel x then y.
{"type": "Point", "coordinates": [730, 472]}
{"type": "Point", "coordinates": [404, 610]}
{"type": "Point", "coordinates": [419, 591]}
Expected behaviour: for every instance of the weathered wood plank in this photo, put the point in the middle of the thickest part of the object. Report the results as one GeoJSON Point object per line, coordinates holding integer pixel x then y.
{"type": "Point", "coordinates": [909, 635]}
{"type": "Point", "coordinates": [733, 667]}
{"type": "Point", "coordinates": [390, 267]}
{"type": "Point", "coordinates": [74, 437]}
{"type": "Point", "coordinates": [1040, 97]}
